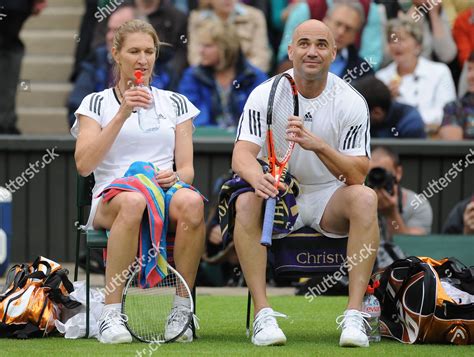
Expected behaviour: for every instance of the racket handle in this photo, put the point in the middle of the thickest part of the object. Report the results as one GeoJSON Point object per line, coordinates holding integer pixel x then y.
{"type": "Point", "coordinates": [268, 222]}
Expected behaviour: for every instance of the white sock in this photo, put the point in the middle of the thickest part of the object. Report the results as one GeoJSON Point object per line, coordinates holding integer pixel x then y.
{"type": "Point", "coordinates": [183, 301]}
{"type": "Point", "coordinates": [117, 306]}
{"type": "Point", "coordinates": [108, 307]}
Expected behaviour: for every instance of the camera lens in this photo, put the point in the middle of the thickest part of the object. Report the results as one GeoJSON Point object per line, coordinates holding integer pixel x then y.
{"type": "Point", "coordinates": [377, 177]}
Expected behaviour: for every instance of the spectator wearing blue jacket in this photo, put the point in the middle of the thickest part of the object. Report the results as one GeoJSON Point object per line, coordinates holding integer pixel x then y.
{"type": "Point", "coordinates": [220, 85]}
{"type": "Point", "coordinates": [389, 118]}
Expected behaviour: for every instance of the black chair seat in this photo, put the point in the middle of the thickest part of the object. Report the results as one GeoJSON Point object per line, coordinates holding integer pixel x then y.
{"type": "Point", "coordinates": [96, 239]}
{"type": "Point", "coordinates": [306, 252]}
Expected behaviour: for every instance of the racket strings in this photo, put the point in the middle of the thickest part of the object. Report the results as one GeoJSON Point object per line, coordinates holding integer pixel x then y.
{"type": "Point", "coordinates": [148, 310]}
{"type": "Point", "coordinates": [282, 109]}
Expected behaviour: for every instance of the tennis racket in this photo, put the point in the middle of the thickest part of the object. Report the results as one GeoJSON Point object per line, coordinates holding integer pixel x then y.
{"type": "Point", "coordinates": [148, 310]}
{"type": "Point", "coordinates": [282, 103]}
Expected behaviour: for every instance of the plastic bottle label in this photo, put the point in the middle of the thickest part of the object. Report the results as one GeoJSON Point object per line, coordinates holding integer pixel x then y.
{"type": "Point", "coordinates": [373, 310]}
{"type": "Point", "coordinates": [3, 246]}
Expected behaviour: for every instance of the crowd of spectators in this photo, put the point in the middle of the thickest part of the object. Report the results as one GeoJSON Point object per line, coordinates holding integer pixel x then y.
{"type": "Point", "coordinates": [216, 51]}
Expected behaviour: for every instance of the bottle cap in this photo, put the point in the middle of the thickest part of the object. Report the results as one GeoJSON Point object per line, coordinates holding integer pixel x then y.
{"type": "Point", "coordinates": [138, 77]}
{"type": "Point", "coordinates": [371, 288]}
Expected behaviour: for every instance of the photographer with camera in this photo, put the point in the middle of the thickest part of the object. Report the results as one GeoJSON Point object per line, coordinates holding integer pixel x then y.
{"type": "Point", "coordinates": [396, 215]}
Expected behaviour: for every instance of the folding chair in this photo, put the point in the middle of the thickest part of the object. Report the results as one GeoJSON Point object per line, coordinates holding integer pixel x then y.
{"type": "Point", "coordinates": [303, 253]}
{"type": "Point", "coordinates": [95, 239]}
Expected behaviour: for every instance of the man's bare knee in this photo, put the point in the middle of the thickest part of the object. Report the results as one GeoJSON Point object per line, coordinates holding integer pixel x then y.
{"type": "Point", "coordinates": [363, 201]}
{"type": "Point", "coordinates": [248, 215]}
{"type": "Point", "coordinates": [248, 204]}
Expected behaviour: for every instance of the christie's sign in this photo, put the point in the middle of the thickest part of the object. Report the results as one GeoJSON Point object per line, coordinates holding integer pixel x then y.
{"type": "Point", "coordinates": [320, 258]}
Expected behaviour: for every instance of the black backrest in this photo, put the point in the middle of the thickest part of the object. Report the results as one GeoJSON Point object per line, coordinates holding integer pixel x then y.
{"type": "Point", "coordinates": [84, 190]}
{"type": "Point", "coordinates": [84, 195]}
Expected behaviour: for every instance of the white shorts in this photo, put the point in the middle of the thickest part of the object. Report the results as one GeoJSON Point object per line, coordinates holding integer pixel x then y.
{"type": "Point", "coordinates": [312, 202]}
{"type": "Point", "coordinates": [95, 204]}
{"type": "Point", "coordinates": [93, 211]}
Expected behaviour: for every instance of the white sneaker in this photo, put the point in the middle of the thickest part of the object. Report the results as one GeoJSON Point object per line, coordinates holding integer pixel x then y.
{"type": "Point", "coordinates": [112, 327]}
{"type": "Point", "coordinates": [265, 328]}
{"type": "Point", "coordinates": [353, 327]}
{"type": "Point", "coordinates": [178, 317]}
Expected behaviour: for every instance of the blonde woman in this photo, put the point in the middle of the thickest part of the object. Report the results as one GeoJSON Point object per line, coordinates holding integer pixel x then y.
{"type": "Point", "coordinates": [109, 139]}
{"type": "Point", "coordinates": [251, 27]}
{"type": "Point", "coordinates": [223, 80]}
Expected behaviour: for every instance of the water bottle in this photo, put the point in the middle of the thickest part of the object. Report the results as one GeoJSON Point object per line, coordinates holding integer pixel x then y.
{"type": "Point", "coordinates": [148, 120]}
{"type": "Point", "coordinates": [371, 306]}
{"type": "Point", "coordinates": [5, 228]}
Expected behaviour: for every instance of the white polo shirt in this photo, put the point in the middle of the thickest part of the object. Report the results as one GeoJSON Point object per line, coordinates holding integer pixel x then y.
{"type": "Point", "coordinates": [132, 144]}
{"type": "Point", "coordinates": [339, 116]}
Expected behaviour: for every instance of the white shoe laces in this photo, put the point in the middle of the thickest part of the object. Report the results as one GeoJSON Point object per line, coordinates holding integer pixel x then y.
{"type": "Point", "coordinates": [355, 319]}
{"type": "Point", "coordinates": [196, 322]}
{"type": "Point", "coordinates": [113, 317]}
{"type": "Point", "coordinates": [267, 319]}
{"type": "Point", "coordinates": [180, 315]}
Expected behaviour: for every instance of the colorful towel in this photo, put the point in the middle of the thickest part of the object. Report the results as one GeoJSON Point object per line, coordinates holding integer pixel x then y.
{"type": "Point", "coordinates": [152, 256]}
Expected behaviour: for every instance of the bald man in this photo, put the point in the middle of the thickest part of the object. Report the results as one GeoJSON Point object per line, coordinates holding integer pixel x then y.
{"type": "Point", "coordinates": [330, 161]}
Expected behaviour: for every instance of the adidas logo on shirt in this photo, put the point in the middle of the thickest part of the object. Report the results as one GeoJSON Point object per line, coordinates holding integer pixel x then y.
{"type": "Point", "coordinates": [308, 117]}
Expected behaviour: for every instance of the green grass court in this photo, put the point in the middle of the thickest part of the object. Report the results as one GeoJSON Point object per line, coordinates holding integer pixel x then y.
{"type": "Point", "coordinates": [310, 329]}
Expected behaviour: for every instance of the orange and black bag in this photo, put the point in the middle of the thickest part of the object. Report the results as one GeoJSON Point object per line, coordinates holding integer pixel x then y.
{"type": "Point", "coordinates": [415, 306]}
{"type": "Point", "coordinates": [33, 297]}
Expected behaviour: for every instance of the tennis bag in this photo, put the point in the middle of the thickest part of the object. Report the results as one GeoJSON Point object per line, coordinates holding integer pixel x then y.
{"type": "Point", "coordinates": [32, 298]}
{"type": "Point", "coordinates": [416, 307]}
